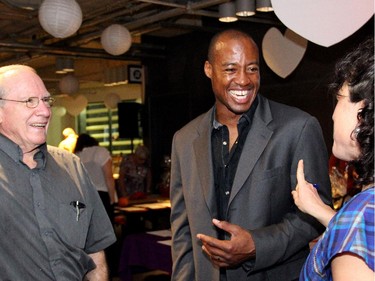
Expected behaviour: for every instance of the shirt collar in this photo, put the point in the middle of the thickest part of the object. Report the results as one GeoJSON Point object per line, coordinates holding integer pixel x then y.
{"type": "Point", "coordinates": [10, 148]}
{"type": "Point", "coordinates": [15, 152]}
{"type": "Point", "coordinates": [247, 116]}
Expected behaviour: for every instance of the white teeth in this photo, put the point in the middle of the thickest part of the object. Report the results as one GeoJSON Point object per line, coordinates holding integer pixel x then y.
{"type": "Point", "coordinates": [38, 125]}
{"type": "Point", "coordinates": [238, 93]}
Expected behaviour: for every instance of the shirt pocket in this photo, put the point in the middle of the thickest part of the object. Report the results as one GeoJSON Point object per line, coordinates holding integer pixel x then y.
{"type": "Point", "coordinates": [73, 226]}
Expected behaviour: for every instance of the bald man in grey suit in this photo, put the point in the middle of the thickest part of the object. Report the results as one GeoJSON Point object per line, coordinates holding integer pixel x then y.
{"type": "Point", "coordinates": [233, 170]}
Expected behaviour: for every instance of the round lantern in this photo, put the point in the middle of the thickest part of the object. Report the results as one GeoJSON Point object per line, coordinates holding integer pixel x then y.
{"type": "Point", "coordinates": [74, 105]}
{"type": "Point", "coordinates": [69, 84]}
{"type": "Point", "coordinates": [59, 111]}
{"type": "Point", "coordinates": [116, 39]}
{"type": "Point", "coordinates": [111, 100]}
{"type": "Point", "coordinates": [60, 18]}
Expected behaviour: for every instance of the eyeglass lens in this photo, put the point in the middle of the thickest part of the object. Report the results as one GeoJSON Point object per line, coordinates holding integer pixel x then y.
{"type": "Point", "coordinates": [34, 101]}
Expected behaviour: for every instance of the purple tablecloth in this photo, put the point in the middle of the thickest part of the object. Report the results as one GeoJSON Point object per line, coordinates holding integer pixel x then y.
{"type": "Point", "coordinates": [143, 249]}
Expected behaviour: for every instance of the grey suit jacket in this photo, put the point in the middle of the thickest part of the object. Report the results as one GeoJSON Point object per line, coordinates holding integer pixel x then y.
{"type": "Point", "coordinates": [260, 200]}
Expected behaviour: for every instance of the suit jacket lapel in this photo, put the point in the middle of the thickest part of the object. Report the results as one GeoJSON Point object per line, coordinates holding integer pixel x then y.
{"type": "Point", "coordinates": [256, 141]}
{"type": "Point", "coordinates": [202, 150]}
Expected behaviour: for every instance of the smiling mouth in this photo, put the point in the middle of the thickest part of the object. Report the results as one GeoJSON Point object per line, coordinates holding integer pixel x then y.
{"type": "Point", "coordinates": [39, 125]}
{"type": "Point", "coordinates": [239, 93]}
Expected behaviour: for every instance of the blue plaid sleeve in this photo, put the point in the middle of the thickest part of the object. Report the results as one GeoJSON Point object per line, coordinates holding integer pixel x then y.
{"type": "Point", "coordinates": [350, 230]}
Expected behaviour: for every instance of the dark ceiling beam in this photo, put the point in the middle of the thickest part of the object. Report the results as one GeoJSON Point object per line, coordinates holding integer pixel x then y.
{"type": "Point", "coordinates": [135, 53]}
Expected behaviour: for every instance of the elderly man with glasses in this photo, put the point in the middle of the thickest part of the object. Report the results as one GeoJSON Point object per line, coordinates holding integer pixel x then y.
{"type": "Point", "coordinates": [52, 222]}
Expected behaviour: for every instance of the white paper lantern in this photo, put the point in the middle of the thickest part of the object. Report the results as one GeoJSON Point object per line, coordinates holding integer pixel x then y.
{"type": "Point", "coordinates": [111, 100]}
{"type": "Point", "coordinates": [69, 84]}
{"type": "Point", "coordinates": [59, 111]}
{"type": "Point", "coordinates": [116, 39]}
{"type": "Point", "coordinates": [75, 105]}
{"type": "Point", "coordinates": [60, 18]}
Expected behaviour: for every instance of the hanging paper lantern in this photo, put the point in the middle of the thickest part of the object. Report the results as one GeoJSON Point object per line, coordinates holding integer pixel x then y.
{"type": "Point", "coordinates": [111, 100]}
{"type": "Point", "coordinates": [60, 18]}
{"type": "Point", "coordinates": [74, 105]}
{"type": "Point", "coordinates": [59, 111]}
{"type": "Point", "coordinates": [116, 39]}
{"type": "Point", "coordinates": [69, 84]}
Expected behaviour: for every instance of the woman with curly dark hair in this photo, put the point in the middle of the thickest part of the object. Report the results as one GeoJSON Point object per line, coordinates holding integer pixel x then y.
{"type": "Point", "coordinates": [346, 249]}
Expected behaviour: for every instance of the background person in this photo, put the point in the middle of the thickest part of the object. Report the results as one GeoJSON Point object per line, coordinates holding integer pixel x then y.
{"type": "Point", "coordinates": [135, 177]}
{"type": "Point", "coordinates": [233, 170]}
{"type": "Point", "coordinates": [346, 249]}
{"type": "Point", "coordinates": [53, 224]}
{"type": "Point", "coordinates": [98, 162]}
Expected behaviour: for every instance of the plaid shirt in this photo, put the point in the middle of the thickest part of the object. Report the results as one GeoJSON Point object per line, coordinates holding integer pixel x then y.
{"type": "Point", "coordinates": [350, 230]}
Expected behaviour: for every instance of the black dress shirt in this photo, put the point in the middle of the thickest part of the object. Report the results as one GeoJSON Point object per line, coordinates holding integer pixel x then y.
{"type": "Point", "coordinates": [225, 161]}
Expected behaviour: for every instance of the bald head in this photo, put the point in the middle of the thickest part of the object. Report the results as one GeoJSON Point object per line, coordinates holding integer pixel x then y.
{"type": "Point", "coordinates": [226, 35]}
{"type": "Point", "coordinates": [10, 70]}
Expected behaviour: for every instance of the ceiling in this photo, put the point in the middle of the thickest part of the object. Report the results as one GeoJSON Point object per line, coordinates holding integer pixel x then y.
{"type": "Point", "coordinates": [22, 39]}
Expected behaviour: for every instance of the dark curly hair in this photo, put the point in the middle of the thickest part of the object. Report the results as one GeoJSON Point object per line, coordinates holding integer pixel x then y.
{"type": "Point", "coordinates": [356, 69]}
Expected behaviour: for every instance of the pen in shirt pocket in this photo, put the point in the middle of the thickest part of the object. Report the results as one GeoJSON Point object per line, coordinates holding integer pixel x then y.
{"type": "Point", "coordinates": [78, 205]}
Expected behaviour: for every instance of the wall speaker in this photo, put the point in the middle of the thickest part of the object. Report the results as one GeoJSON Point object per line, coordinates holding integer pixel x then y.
{"type": "Point", "coordinates": [129, 119]}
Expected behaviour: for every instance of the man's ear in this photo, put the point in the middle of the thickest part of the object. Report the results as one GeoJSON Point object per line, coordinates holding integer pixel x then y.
{"type": "Point", "coordinates": [208, 69]}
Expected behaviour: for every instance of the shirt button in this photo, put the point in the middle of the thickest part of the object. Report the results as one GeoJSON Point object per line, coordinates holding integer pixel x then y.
{"type": "Point", "coordinates": [225, 143]}
{"type": "Point", "coordinates": [227, 192]}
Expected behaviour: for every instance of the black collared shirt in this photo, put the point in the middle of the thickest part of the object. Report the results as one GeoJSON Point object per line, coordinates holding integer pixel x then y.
{"type": "Point", "coordinates": [225, 162]}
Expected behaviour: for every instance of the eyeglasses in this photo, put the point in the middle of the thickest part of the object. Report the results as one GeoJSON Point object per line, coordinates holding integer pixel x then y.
{"type": "Point", "coordinates": [33, 102]}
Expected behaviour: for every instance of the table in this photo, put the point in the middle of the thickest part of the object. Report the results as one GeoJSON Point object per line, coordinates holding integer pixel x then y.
{"type": "Point", "coordinates": [151, 213]}
{"type": "Point", "coordinates": [150, 250]}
